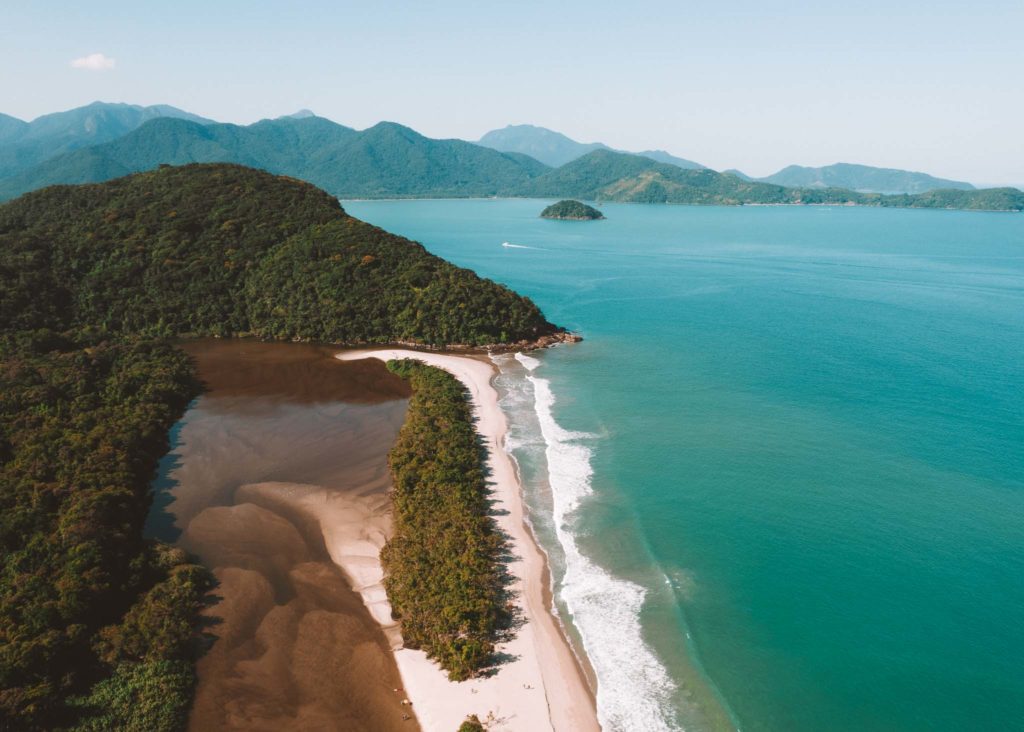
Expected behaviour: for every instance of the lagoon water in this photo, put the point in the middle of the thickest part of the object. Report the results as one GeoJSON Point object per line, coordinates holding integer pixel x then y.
{"type": "Point", "coordinates": [787, 462]}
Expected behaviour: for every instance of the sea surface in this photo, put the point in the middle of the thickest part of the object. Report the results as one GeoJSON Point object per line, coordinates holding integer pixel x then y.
{"type": "Point", "coordinates": [782, 479]}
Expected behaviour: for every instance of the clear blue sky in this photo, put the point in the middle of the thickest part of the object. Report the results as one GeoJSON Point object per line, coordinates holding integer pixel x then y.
{"type": "Point", "coordinates": [934, 86]}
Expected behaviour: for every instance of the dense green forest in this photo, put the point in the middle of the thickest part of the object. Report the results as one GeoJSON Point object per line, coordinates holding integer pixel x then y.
{"type": "Point", "coordinates": [384, 160]}
{"type": "Point", "coordinates": [97, 625]}
{"type": "Point", "coordinates": [572, 211]}
{"type": "Point", "coordinates": [221, 250]}
{"type": "Point", "coordinates": [442, 571]}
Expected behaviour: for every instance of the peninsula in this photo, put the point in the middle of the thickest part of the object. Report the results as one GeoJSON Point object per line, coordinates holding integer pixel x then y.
{"type": "Point", "coordinates": [102, 624]}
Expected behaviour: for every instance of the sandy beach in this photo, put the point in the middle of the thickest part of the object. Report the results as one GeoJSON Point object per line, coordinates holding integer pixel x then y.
{"type": "Point", "coordinates": [541, 686]}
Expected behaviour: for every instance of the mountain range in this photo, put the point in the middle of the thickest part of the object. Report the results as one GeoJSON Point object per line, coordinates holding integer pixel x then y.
{"type": "Point", "coordinates": [26, 144]}
{"type": "Point", "coordinates": [555, 149]}
{"type": "Point", "coordinates": [604, 175]}
{"type": "Point", "coordinates": [387, 159]}
{"type": "Point", "coordinates": [391, 160]}
{"type": "Point", "coordinates": [864, 178]}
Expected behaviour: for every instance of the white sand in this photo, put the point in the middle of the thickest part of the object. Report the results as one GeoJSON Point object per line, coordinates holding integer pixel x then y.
{"type": "Point", "coordinates": [542, 688]}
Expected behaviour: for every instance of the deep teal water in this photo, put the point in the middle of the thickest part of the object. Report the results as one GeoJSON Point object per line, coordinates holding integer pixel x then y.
{"type": "Point", "coordinates": [808, 445]}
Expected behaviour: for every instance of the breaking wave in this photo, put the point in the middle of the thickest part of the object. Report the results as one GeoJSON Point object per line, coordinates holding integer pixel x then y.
{"type": "Point", "coordinates": [634, 689]}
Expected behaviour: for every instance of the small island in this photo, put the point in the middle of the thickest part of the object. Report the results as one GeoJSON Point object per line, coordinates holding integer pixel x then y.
{"type": "Point", "coordinates": [571, 211]}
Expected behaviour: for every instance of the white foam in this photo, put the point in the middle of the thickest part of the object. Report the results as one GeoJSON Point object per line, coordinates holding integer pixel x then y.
{"type": "Point", "coordinates": [634, 689]}
{"type": "Point", "coordinates": [529, 362]}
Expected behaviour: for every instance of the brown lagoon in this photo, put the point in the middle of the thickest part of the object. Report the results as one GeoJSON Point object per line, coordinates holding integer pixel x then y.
{"type": "Point", "coordinates": [294, 647]}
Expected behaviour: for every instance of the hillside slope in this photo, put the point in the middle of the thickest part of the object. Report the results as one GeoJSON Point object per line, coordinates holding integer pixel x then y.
{"type": "Point", "coordinates": [26, 144]}
{"type": "Point", "coordinates": [864, 178]}
{"type": "Point", "coordinates": [222, 249]}
{"type": "Point", "coordinates": [389, 159]}
{"type": "Point", "coordinates": [610, 176]}
{"type": "Point", "coordinates": [555, 149]}
{"type": "Point", "coordinates": [385, 160]}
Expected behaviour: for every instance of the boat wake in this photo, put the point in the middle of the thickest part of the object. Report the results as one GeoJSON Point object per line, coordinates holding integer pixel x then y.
{"type": "Point", "coordinates": [634, 688]}
{"type": "Point", "coordinates": [509, 245]}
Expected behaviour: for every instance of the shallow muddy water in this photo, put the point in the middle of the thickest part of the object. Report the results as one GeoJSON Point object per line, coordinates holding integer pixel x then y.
{"type": "Point", "coordinates": [279, 430]}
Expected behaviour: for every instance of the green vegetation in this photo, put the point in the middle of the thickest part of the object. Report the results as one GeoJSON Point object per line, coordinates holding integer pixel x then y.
{"type": "Point", "coordinates": [387, 160]}
{"type": "Point", "coordinates": [24, 145]}
{"type": "Point", "coordinates": [97, 625]}
{"type": "Point", "coordinates": [986, 199]}
{"type": "Point", "coordinates": [609, 176]}
{"type": "Point", "coordinates": [472, 724]}
{"type": "Point", "coordinates": [222, 250]}
{"type": "Point", "coordinates": [441, 566]}
{"type": "Point", "coordinates": [571, 211]}
{"type": "Point", "coordinates": [606, 175]}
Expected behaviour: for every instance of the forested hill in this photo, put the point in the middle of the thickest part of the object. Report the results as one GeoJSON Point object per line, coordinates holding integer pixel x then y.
{"type": "Point", "coordinates": [604, 175]}
{"type": "Point", "coordinates": [223, 249]}
{"type": "Point", "coordinates": [385, 160]}
{"type": "Point", "coordinates": [98, 627]}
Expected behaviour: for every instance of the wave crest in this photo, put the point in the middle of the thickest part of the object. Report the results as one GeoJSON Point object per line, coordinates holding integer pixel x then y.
{"type": "Point", "coordinates": [634, 689]}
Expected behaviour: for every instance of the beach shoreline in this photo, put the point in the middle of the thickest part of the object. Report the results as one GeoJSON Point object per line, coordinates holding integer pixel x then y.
{"type": "Point", "coordinates": [541, 685]}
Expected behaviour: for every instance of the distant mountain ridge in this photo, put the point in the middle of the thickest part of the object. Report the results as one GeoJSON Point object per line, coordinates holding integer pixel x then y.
{"type": "Point", "coordinates": [604, 175]}
{"type": "Point", "coordinates": [390, 160]}
{"type": "Point", "coordinates": [385, 160]}
{"type": "Point", "coordinates": [863, 178]}
{"type": "Point", "coordinates": [10, 127]}
{"type": "Point", "coordinates": [25, 144]}
{"type": "Point", "coordinates": [301, 114]}
{"type": "Point", "coordinates": [555, 149]}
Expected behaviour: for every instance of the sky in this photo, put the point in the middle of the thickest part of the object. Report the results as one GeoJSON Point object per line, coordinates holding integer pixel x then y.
{"type": "Point", "coordinates": [933, 86]}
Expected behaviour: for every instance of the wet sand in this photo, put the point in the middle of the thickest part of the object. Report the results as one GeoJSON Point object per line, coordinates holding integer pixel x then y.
{"type": "Point", "coordinates": [285, 434]}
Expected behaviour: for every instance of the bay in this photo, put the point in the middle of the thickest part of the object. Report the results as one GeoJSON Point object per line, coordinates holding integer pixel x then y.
{"type": "Point", "coordinates": [805, 427]}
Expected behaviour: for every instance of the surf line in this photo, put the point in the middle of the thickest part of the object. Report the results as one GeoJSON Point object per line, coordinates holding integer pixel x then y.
{"type": "Point", "coordinates": [634, 689]}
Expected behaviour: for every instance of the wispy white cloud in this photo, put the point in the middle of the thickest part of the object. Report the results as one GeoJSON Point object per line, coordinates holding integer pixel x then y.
{"type": "Point", "coordinates": [94, 62]}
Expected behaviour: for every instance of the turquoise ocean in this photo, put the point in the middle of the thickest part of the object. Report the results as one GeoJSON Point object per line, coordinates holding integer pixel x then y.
{"type": "Point", "coordinates": [781, 482]}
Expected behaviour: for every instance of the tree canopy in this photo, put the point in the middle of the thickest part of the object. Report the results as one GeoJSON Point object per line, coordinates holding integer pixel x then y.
{"type": "Point", "coordinates": [98, 626]}
{"type": "Point", "coordinates": [441, 566]}
{"type": "Point", "coordinates": [572, 211]}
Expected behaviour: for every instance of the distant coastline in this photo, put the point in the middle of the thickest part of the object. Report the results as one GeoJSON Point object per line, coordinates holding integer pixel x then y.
{"type": "Point", "coordinates": [604, 201]}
